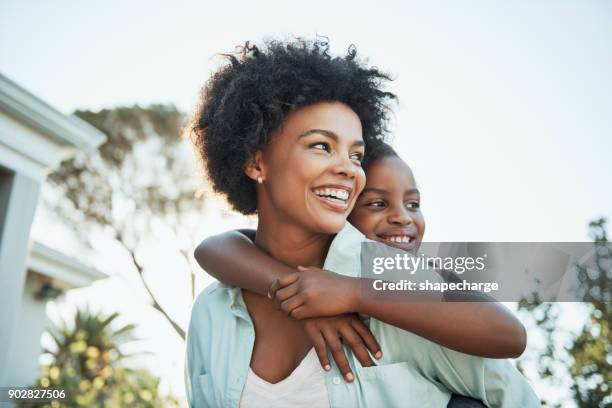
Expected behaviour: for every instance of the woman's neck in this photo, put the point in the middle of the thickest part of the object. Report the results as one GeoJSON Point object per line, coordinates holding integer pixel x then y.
{"type": "Point", "coordinates": [291, 244]}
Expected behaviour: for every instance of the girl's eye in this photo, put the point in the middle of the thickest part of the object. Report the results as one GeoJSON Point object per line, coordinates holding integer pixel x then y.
{"type": "Point", "coordinates": [376, 204]}
{"type": "Point", "coordinates": [320, 146]}
{"type": "Point", "coordinates": [413, 205]}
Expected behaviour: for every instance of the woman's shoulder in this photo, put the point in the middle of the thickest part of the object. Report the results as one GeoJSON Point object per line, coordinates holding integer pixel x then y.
{"type": "Point", "coordinates": [213, 311]}
{"type": "Point", "coordinates": [212, 298]}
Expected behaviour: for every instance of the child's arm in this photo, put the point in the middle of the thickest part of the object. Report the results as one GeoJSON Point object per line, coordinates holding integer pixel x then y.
{"type": "Point", "coordinates": [232, 258]}
{"type": "Point", "coordinates": [483, 328]}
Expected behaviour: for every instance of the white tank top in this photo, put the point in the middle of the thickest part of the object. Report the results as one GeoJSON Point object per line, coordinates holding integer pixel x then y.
{"type": "Point", "coordinates": [304, 388]}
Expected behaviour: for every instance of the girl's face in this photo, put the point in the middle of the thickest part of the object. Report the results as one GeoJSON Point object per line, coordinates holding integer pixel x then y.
{"type": "Point", "coordinates": [311, 168]}
{"type": "Point", "coordinates": [388, 209]}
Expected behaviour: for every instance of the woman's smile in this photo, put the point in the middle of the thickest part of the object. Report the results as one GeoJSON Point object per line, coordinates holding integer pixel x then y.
{"type": "Point", "coordinates": [334, 196]}
{"type": "Point", "coordinates": [311, 169]}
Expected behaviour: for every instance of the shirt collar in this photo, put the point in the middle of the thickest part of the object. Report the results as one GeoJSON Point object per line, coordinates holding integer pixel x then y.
{"type": "Point", "coordinates": [236, 302]}
{"type": "Point", "coordinates": [344, 255]}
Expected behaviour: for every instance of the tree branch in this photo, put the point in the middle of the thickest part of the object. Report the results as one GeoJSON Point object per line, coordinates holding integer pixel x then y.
{"type": "Point", "coordinates": [185, 255]}
{"type": "Point", "coordinates": [140, 269]}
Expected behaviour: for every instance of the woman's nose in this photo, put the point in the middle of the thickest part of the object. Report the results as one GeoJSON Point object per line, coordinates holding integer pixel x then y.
{"type": "Point", "coordinates": [345, 167]}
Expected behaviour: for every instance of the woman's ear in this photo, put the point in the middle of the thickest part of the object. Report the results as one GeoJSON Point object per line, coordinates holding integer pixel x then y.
{"type": "Point", "coordinates": [254, 167]}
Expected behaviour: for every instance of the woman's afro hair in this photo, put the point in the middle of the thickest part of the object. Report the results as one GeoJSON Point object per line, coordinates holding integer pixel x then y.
{"type": "Point", "coordinates": [246, 100]}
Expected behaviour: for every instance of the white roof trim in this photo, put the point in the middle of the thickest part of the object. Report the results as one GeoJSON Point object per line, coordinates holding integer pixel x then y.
{"type": "Point", "coordinates": [67, 130]}
{"type": "Point", "coordinates": [67, 272]}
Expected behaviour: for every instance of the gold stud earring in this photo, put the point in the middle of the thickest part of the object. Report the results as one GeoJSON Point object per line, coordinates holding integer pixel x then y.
{"type": "Point", "coordinates": [259, 180]}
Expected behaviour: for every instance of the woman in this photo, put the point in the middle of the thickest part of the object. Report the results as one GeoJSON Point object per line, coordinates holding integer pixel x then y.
{"type": "Point", "coordinates": [260, 130]}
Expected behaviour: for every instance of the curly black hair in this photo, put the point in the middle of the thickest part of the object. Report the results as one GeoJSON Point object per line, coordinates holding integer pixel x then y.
{"type": "Point", "coordinates": [245, 101]}
{"type": "Point", "coordinates": [379, 151]}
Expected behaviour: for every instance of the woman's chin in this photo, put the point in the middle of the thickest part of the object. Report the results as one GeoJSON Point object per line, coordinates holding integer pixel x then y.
{"type": "Point", "coordinates": [332, 225]}
{"type": "Point", "coordinates": [324, 221]}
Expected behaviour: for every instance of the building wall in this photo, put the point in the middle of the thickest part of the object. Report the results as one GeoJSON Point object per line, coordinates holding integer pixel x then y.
{"type": "Point", "coordinates": [34, 138]}
{"type": "Point", "coordinates": [22, 200]}
{"type": "Point", "coordinates": [23, 367]}
{"type": "Point", "coordinates": [5, 191]}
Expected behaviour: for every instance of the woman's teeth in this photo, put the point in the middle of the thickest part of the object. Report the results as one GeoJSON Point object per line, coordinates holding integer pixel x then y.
{"type": "Point", "coordinates": [332, 194]}
{"type": "Point", "coordinates": [403, 239]}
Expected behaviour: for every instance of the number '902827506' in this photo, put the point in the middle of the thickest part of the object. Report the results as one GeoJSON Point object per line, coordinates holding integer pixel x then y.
{"type": "Point", "coordinates": [13, 394]}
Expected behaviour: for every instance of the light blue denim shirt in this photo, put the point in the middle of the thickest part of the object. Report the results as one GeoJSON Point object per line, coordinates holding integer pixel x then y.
{"type": "Point", "coordinates": [413, 371]}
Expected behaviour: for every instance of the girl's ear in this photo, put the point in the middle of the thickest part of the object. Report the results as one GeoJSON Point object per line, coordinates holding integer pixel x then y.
{"type": "Point", "coordinates": [254, 167]}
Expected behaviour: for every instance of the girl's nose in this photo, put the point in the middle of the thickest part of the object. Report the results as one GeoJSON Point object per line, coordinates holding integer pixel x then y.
{"type": "Point", "coordinates": [400, 216]}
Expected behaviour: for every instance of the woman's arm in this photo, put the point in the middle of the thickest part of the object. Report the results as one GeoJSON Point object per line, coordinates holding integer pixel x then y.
{"type": "Point", "coordinates": [231, 257]}
{"type": "Point", "coordinates": [483, 328]}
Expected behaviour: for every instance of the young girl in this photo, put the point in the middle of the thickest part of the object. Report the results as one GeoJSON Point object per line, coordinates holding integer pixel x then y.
{"type": "Point", "coordinates": [388, 211]}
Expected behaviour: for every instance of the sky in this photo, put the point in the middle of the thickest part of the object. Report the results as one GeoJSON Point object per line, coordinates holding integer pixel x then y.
{"type": "Point", "coordinates": [504, 107]}
{"type": "Point", "coordinates": [503, 110]}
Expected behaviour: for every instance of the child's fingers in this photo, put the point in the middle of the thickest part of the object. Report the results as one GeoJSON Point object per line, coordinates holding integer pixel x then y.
{"type": "Point", "coordinates": [307, 268]}
{"type": "Point", "coordinates": [301, 312]}
{"type": "Point", "coordinates": [353, 339]}
{"type": "Point", "coordinates": [335, 346]}
{"type": "Point", "coordinates": [286, 292]}
{"type": "Point", "coordinates": [367, 337]}
{"type": "Point", "coordinates": [281, 283]}
{"type": "Point", "coordinates": [319, 346]}
{"type": "Point", "coordinates": [290, 304]}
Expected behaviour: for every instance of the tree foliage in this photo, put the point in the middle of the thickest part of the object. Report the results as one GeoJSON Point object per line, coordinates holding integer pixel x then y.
{"type": "Point", "coordinates": [140, 176]}
{"type": "Point", "coordinates": [588, 352]}
{"type": "Point", "coordinates": [87, 360]}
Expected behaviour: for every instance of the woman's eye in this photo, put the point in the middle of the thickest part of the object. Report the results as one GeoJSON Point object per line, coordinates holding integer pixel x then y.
{"type": "Point", "coordinates": [413, 205]}
{"type": "Point", "coordinates": [357, 156]}
{"type": "Point", "coordinates": [320, 146]}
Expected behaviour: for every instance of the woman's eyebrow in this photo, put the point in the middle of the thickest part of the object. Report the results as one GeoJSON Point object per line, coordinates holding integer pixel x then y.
{"type": "Point", "coordinates": [412, 191]}
{"type": "Point", "coordinates": [329, 134]}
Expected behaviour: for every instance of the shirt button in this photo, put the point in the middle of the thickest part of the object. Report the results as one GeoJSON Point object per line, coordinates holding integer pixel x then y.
{"type": "Point", "coordinates": [336, 380]}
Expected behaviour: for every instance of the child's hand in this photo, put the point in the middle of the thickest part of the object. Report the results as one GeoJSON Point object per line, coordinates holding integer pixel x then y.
{"type": "Point", "coordinates": [327, 332]}
{"type": "Point", "coordinates": [315, 292]}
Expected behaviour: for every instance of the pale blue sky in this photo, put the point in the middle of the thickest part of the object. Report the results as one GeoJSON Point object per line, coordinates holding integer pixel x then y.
{"type": "Point", "coordinates": [505, 107]}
